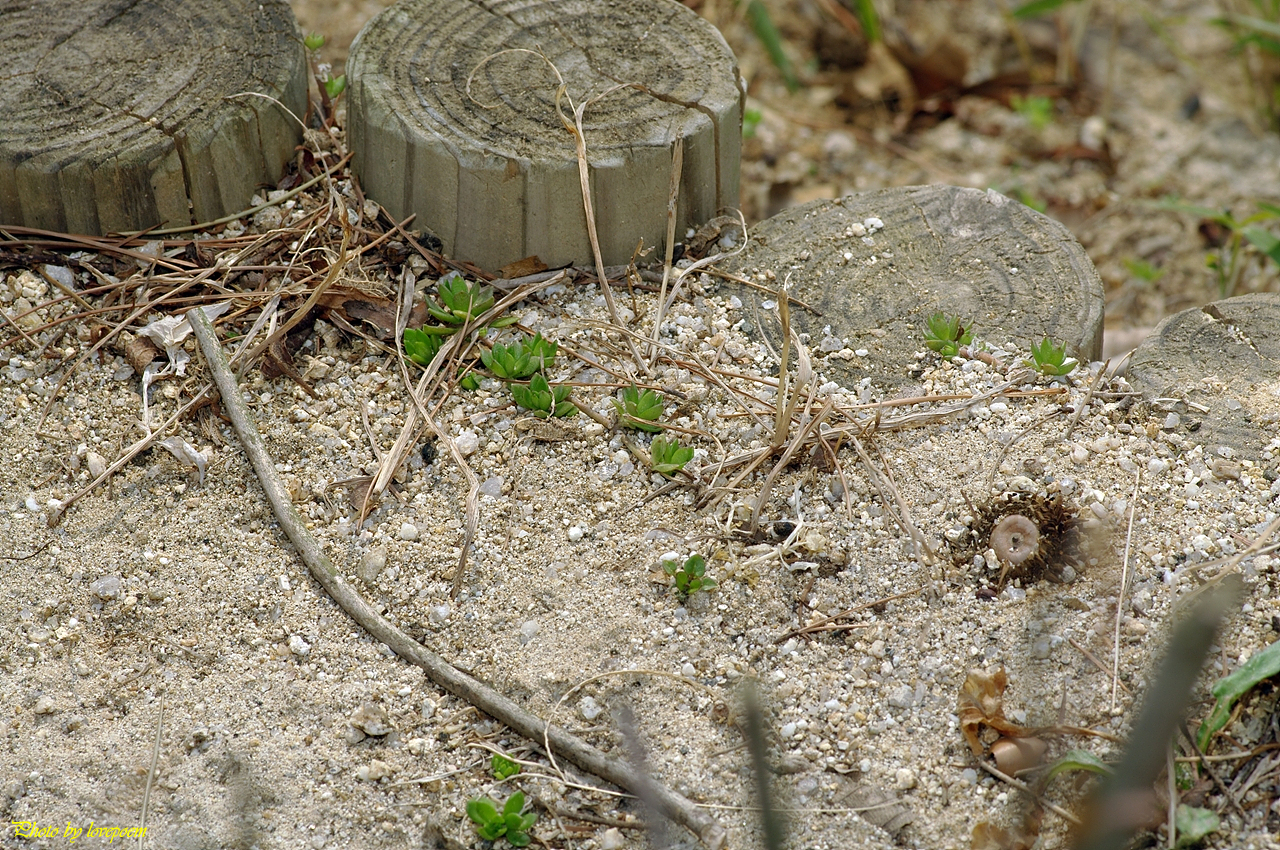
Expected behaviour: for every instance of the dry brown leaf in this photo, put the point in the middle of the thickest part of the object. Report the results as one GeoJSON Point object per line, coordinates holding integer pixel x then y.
{"type": "Point", "coordinates": [981, 703]}
{"type": "Point", "coordinates": [520, 268]}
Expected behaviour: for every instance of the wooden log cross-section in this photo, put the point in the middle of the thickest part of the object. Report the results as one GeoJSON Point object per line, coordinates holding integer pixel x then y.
{"type": "Point", "coordinates": [132, 114]}
{"type": "Point", "coordinates": [453, 117]}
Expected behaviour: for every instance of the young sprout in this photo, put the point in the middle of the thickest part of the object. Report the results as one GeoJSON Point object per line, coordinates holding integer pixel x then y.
{"type": "Point", "coordinates": [541, 399]}
{"type": "Point", "coordinates": [639, 409]}
{"type": "Point", "coordinates": [518, 361]}
{"type": "Point", "coordinates": [668, 455]}
{"type": "Point", "coordinates": [689, 577]}
{"type": "Point", "coordinates": [509, 823]}
{"type": "Point", "coordinates": [1049, 359]}
{"type": "Point", "coordinates": [945, 335]}
{"type": "Point", "coordinates": [421, 346]}
{"type": "Point", "coordinates": [461, 302]}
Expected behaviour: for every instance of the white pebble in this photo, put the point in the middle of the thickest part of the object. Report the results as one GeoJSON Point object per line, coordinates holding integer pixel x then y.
{"type": "Point", "coordinates": [688, 671]}
{"type": "Point", "coordinates": [408, 531]}
{"type": "Point", "coordinates": [904, 779]}
{"type": "Point", "coordinates": [589, 708]}
{"type": "Point", "coordinates": [299, 647]}
{"type": "Point", "coordinates": [467, 442]}
{"type": "Point", "coordinates": [45, 705]}
{"type": "Point", "coordinates": [575, 534]}
{"type": "Point", "coordinates": [528, 631]}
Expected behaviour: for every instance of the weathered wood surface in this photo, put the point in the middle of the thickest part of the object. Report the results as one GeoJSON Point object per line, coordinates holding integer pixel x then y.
{"type": "Point", "coordinates": [124, 114]}
{"type": "Point", "coordinates": [1011, 272]}
{"type": "Point", "coordinates": [446, 125]}
{"type": "Point", "coordinates": [1217, 369]}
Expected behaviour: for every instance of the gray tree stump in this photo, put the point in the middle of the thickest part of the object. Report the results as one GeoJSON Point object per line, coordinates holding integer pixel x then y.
{"type": "Point", "coordinates": [119, 115]}
{"type": "Point", "coordinates": [1011, 273]}
{"type": "Point", "coordinates": [493, 172]}
{"type": "Point", "coordinates": [1217, 369]}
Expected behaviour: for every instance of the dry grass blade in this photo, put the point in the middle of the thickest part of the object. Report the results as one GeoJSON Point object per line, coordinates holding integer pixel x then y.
{"type": "Point", "coordinates": [884, 485]}
{"type": "Point", "coordinates": [677, 167]}
{"type": "Point", "coordinates": [1124, 581]}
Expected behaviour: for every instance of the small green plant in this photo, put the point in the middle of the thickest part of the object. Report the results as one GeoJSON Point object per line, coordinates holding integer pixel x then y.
{"type": "Point", "coordinates": [543, 400]}
{"type": "Point", "coordinates": [1049, 359]}
{"type": "Point", "coordinates": [750, 121]}
{"type": "Point", "coordinates": [518, 361]}
{"type": "Point", "coordinates": [503, 767]}
{"type": "Point", "coordinates": [689, 577]}
{"type": "Point", "coordinates": [1037, 109]}
{"type": "Point", "coordinates": [334, 86]}
{"type": "Point", "coordinates": [462, 301]}
{"type": "Point", "coordinates": [668, 455]}
{"type": "Point", "coordinates": [509, 823]}
{"type": "Point", "coordinates": [639, 409]}
{"type": "Point", "coordinates": [945, 335]}
{"type": "Point", "coordinates": [1233, 236]}
{"type": "Point", "coordinates": [1142, 270]}
{"type": "Point", "coordinates": [313, 42]}
{"type": "Point", "coordinates": [421, 346]}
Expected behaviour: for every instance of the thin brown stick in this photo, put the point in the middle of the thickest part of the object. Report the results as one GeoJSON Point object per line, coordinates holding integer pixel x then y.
{"type": "Point", "coordinates": [1124, 581]}
{"type": "Point", "coordinates": [1022, 786]}
{"type": "Point", "coordinates": [436, 667]}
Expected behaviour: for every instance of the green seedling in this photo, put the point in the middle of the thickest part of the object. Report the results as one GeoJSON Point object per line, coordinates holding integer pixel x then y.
{"type": "Point", "coordinates": [1049, 359]}
{"type": "Point", "coordinates": [1143, 270]}
{"type": "Point", "coordinates": [503, 767]}
{"type": "Point", "coordinates": [421, 346]}
{"type": "Point", "coordinates": [945, 335]}
{"type": "Point", "coordinates": [1261, 666]}
{"type": "Point", "coordinates": [462, 302]}
{"type": "Point", "coordinates": [1037, 109]}
{"type": "Point", "coordinates": [543, 400]}
{"type": "Point", "coordinates": [518, 361]}
{"type": "Point", "coordinates": [470, 381]}
{"type": "Point", "coordinates": [1228, 259]}
{"type": "Point", "coordinates": [750, 120]}
{"type": "Point", "coordinates": [313, 42]}
{"type": "Point", "coordinates": [689, 577]}
{"type": "Point", "coordinates": [509, 823]}
{"type": "Point", "coordinates": [334, 86]}
{"type": "Point", "coordinates": [1193, 825]}
{"type": "Point", "coordinates": [639, 409]}
{"type": "Point", "coordinates": [668, 455]}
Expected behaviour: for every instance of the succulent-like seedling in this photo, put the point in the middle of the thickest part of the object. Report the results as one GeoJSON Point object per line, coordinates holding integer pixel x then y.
{"type": "Point", "coordinates": [946, 334]}
{"type": "Point", "coordinates": [1049, 359]}
{"type": "Point", "coordinates": [638, 409]}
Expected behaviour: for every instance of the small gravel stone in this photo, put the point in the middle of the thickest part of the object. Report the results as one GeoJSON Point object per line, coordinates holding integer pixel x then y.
{"type": "Point", "coordinates": [372, 563]}
{"type": "Point", "coordinates": [467, 442]}
{"type": "Point", "coordinates": [106, 588]}
{"type": "Point", "coordinates": [299, 647]}
{"type": "Point", "coordinates": [904, 779]}
{"type": "Point", "coordinates": [408, 532]}
{"type": "Point", "coordinates": [612, 839]}
{"type": "Point", "coordinates": [375, 770]}
{"type": "Point", "coordinates": [372, 720]}
{"type": "Point", "coordinates": [575, 534]}
{"type": "Point", "coordinates": [528, 631]}
{"type": "Point", "coordinates": [589, 709]}
{"type": "Point", "coordinates": [45, 705]}
{"type": "Point", "coordinates": [492, 486]}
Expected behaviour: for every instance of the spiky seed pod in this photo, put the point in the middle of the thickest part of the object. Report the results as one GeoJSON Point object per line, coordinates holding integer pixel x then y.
{"type": "Point", "coordinates": [1033, 535]}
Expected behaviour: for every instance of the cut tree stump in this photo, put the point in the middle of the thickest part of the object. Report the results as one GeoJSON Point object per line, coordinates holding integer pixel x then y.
{"type": "Point", "coordinates": [130, 114]}
{"type": "Point", "coordinates": [1011, 273]}
{"type": "Point", "coordinates": [453, 118]}
{"type": "Point", "coordinates": [1215, 371]}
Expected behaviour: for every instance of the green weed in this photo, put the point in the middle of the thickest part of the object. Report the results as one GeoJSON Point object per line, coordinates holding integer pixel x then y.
{"type": "Point", "coordinates": [502, 767]}
{"type": "Point", "coordinates": [668, 455]}
{"type": "Point", "coordinates": [689, 577]}
{"type": "Point", "coordinates": [518, 361]}
{"type": "Point", "coordinates": [945, 334]}
{"type": "Point", "coordinates": [1037, 109]}
{"type": "Point", "coordinates": [509, 823]}
{"type": "Point", "coordinates": [639, 409]}
{"type": "Point", "coordinates": [1049, 359]}
{"type": "Point", "coordinates": [543, 400]}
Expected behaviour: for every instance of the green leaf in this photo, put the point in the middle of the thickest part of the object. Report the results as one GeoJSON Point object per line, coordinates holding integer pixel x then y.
{"type": "Point", "coordinates": [762, 26]}
{"type": "Point", "coordinates": [1194, 825]}
{"type": "Point", "coordinates": [335, 86]}
{"type": "Point", "coordinates": [1261, 666]}
{"type": "Point", "coordinates": [519, 839]}
{"type": "Point", "coordinates": [514, 805]}
{"type": "Point", "coordinates": [314, 41]}
{"type": "Point", "coordinates": [1038, 7]}
{"type": "Point", "coordinates": [638, 409]}
{"type": "Point", "coordinates": [668, 455]}
{"type": "Point", "coordinates": [493, 830]}
{"type": "Point", "coordinates": [469, 381]}
{"type": "Point", "coordinates": [420, 347]}
{"type": "Point", "coordinates": [503, 767]}
{"type": "Point", "coordinates": [1077, 760]}
{"type": "Point", "coordinates": [482, 810]}
{"type": "Point", "coordinates": [1264, 241]}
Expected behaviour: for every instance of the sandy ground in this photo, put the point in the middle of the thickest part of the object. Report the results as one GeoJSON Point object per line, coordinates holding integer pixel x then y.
{"type": "Point", "coordinates": [164, 636]}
